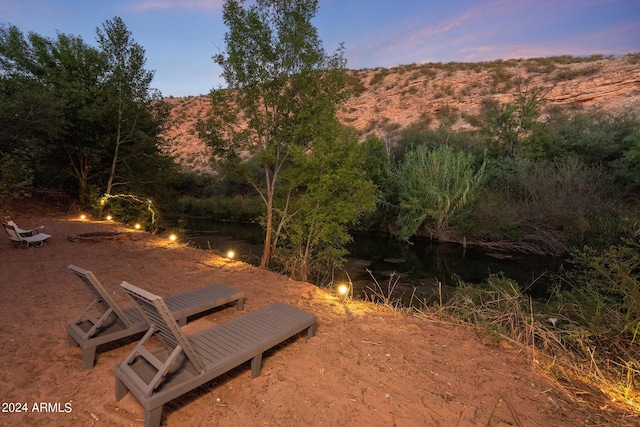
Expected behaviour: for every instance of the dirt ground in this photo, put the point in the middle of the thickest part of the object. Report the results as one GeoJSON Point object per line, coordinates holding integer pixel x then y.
{"type": "Point", "coordinates": [366, 366]}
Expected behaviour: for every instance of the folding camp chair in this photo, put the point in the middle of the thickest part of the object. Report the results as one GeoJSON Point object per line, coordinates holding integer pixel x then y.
{"type": "Point", "coordinates": [21, 231]}
{"type": "Point", "coordinates": [28, 240]}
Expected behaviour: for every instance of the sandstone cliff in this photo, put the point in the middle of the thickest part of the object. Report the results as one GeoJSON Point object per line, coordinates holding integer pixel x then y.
{"type": "Point", "coordinates": [386, 100]}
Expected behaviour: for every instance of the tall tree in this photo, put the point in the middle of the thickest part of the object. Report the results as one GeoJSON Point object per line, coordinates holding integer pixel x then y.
{"type": "Point", "coordinates": [282, 89]}
{"type": "Point", "coordinates": [86, 116]}
{"type": "Point", "coordinates": [55, 85]}
{"type": "Point", "coordinates": [131, 100]}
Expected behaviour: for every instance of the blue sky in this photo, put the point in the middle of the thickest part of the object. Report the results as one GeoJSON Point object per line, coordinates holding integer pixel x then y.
{"type": "Point", "coordinates": [180, 36]}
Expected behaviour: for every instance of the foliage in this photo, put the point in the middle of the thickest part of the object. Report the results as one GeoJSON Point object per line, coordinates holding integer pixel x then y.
{"type": "Point", "coordinates": [569, 182]}
{"type": "Point", "coordinates": [15, 172]}
{"type": "Point", "coordinates": [330, 192]}
{"type": "Point", "coordinates": [419, 133]}
{"type": "Point", "coordinates": [507, 123]}
{"type": "Point", "coordinates": [598, 311]}
{"type": "Point", "coordinates": [606, 290]}
{"type": "Point", "coordinates": [134, 110]}
{"type": "Point", "coordinates": [65, 111]}
{"type": "Point", "coordinates": [434, 184]}
{"type": "Point", "coordinates": [374, 158]}
{"type": "Point", "coordinates": [548, 203]}
{"type": "Point", "coordinates": [597, 137]}
{"type": "Point", "coordinates": [282, 90]}
{"type": "Point", "coordinates": [221, 207]}
{"type": "Point", "coordinates": [586, 331]}
{"type": "Point", "coordinates": [630, 162]}
{"type": "Point", "coordinates": [62, 75]}
{"type": "Point", "coordinates": [496, 307]}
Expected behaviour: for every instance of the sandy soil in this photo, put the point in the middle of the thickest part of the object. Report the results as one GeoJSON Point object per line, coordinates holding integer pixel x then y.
{"type": "Point", "coordinates": [367, 366]}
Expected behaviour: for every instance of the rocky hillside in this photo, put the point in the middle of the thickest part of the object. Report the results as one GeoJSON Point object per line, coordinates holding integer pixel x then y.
{"type": "Point", "coordinates": [386, 100]}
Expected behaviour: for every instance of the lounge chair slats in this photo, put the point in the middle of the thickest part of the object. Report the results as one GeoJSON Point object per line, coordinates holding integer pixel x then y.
{"type": "Point", "coordinates": [89, 331]}
{"type": "Point", "coordinates": [205, 355]}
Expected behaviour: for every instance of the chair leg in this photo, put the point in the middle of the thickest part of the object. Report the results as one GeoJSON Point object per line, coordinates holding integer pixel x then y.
{"type": "Point", "coordinates": [239, 303]}
{"type": "Point", "coordinates": [121, 389]}
{"type": "Point", "coordinates": [88, 357]}
{"type": "Point", "coordinates": [256, 366]}
{"type": "Point", "coordinates": [153, 417]}
{"type": "Point", "coordinates": [71, 342]}
{"type": "Point", "coordinates": [311, 331]}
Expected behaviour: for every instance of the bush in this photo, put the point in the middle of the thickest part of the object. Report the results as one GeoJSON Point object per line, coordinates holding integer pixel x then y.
{"type": "Point", "coordinates": [588, 329]}
{"type": "Point", "coordinates": [220, 207]}
{"type": "Point", "coordinates": [598, 314]}
{"type": "Point", "coordinates": [562, 200]}
{"type": "Point", "coordinates": [14, 173]}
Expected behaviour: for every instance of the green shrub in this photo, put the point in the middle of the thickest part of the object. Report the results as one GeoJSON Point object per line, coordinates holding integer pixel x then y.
{"type": "Point", "coordinates": [570, 73]}
{"type": "Point", "coordinates": [378, 77]}
{"type": "Point", "coordinates": [598, 313]}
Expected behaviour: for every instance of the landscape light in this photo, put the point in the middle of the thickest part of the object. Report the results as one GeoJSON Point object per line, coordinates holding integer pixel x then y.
{"type": "Point", "coordinates": [109, 217]}
{"type": "Point", "coordinates": [342, 290]}
{"type": "Point", "coordinates": [83, 217]}
{"type": "Point", "coordinates": [173, 237]}
{"type": "Point", "coordinates": [231, 254]}
{"type": "Point", "coordinates": [137, 226]}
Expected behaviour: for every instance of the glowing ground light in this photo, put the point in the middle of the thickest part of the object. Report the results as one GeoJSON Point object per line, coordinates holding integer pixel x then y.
{"type": "Point", "coordinates": [109, 217]}
{"type": "Point", "coordinates": [137, 226]}
{"type": "Point", "coordinates": [343, 289]}
{"type": "Point", "coordinates": [231, 254]}
{"type": "Point", "coordinates": [173, 237]}
{"type": "Point", "coordinates": [83, 217]}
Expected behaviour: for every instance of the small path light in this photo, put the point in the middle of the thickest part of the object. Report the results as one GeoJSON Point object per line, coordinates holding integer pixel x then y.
{"type": "Point", "coordinates": [109, 217]}
{"type": "Point", "coordinates": [343, 290]}
{"type": "Point", "coordinates": [83, 217]}
{"type": "Point", "coordinates": [231, 254]}
{"type": "Point", "coordinates": [137, 226]}
{"type": "Point", "coordinates": [173, 237]}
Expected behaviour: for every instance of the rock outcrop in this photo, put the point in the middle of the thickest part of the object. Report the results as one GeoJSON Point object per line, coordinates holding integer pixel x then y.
{"type": "Point", "coordinates": [386, 100]}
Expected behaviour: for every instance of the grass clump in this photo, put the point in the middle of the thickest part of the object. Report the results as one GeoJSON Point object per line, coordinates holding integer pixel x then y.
{"type": "Point", "coordinates": [585, 334]}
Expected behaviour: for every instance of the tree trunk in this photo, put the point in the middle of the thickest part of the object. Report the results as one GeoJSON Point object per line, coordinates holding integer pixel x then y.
{"type": "Point", "coordinates": [268, 244]}
{"type": "Point", "coordinates": [266, 251]}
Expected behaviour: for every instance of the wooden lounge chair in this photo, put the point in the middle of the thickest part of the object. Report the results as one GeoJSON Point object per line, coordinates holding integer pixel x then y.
{"type": "Point", "coordinates": [103, 321]}
{"type": "Point", "coordinates": [27, 240]}
{"type": "Point", "coordinates": [182, 363]}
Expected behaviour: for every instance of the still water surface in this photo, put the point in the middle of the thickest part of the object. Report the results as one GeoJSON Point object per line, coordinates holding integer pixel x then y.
{"type": "Point", "coordinates": [419, 266]}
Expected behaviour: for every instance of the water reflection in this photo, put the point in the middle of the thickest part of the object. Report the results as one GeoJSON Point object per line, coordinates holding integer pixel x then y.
{"type": "Point", "coordinates": [419, 266]}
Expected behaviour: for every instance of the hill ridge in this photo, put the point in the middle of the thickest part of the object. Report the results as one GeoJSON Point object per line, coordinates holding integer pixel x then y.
{"type": "Point", "coordinates": [388, 99]}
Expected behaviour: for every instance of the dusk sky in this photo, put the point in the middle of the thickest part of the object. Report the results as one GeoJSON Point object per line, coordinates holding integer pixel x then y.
{"type": "Point", "coordinates": [180, 36]}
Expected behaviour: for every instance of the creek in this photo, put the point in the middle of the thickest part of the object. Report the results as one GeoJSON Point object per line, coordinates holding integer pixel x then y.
{"type": "Point", "coordinates": [377, 264]}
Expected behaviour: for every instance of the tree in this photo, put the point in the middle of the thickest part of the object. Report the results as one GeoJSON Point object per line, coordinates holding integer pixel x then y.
{"type": "Point", "coordinates": [507, 123]}
{"type": "Point", "coordinates": [335, 193]}
{"type": "Point", "coordinates": [282, 90]}
{"type": "Point", "coordinates": [27, 112]}
{"type": "Point", "coordinates": [61, 75]}
{"type": "Point", "coordinates": [130, 105]}
{"type": "Point", "coordinates": [435, 184]}
{"type": "Point", "coordinates": [85, 116]}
